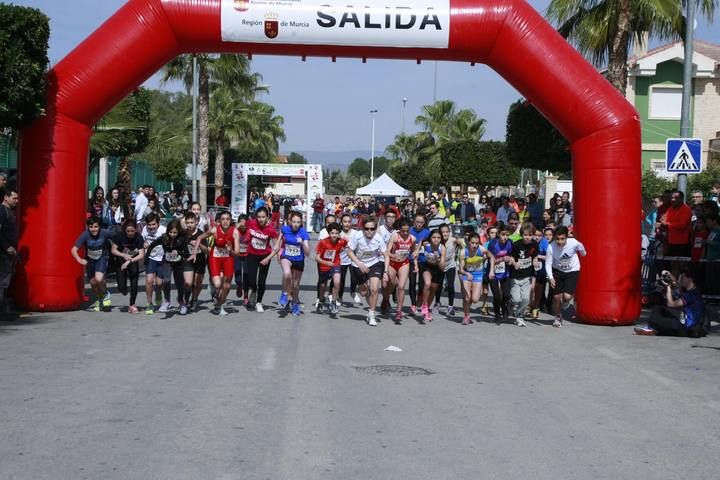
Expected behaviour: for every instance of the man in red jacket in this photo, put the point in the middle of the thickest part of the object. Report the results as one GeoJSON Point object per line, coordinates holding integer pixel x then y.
{"type": "Point", "coordinates": [677, 222]}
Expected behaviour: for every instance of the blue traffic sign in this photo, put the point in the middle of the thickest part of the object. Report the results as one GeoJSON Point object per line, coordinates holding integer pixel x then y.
{"type": "Point", "coordinates": [683, 155]}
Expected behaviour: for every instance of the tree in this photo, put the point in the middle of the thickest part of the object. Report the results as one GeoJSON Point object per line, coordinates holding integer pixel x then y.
{"type": "Point", "coordinates": [653, 185]}
{"type": "Point", "coordinates": [24, 34]}
{"type": "Point", "coordinates": [409, 148]}
{"type": "Point", "coordinates": [479, 164]}
{"type": "Point", "coordinates": [409, 176]}
{"type": "Point", "coordinates": [704, 180]}
{"type": "Point", "coordinates": [359, 168]}
{"type": "Point", "coordinates": [297, 159]}
{"type": "Point", "coordinates": [603, 30]}
{"type": "Point", "coordinates": [532, 141]}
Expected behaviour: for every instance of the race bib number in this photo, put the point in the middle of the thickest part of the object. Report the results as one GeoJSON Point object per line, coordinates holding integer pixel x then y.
{"type": "Point", "coordinates": [156, 252]}
{"type": "Point", "coordinates": [538, 266]}
{"type": "Point", "coordinates": [329, 255]}
{"type": "Point", "coordinates": [401, 255]}
{"type": "Point", "coordinates": [524, 263]}
{"type": "Point", "coordinates": [292, 250]}
{"type": "Point", "coordinates": [132, 253]}
{"type": "Point", "coordinates": [259, 244]}
{"type": "Point", "coordinates": [243, 248]}
{"type": "Point", "coordinates": [473, 267]}
{"type": "Point", "coordinates": [499, 268]}
{"type": "Point", "coordinates": [172, 257]}
{"type": "Point", "coordinates": [221, 252]}
{"type": "Point", "coordinates": [432, 258]}
{"type": "Point", "coordinates": [94, 254]}
{"type": "Point", "coordinates": [565, 266]}
{"type": "Point", "coordinates": [366, 254]}
{"type": "Point", "coordinates": [698, 242]}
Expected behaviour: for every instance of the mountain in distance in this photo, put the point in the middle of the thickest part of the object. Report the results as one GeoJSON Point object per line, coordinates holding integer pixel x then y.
{"type": "Point", "coordinates": [335, 160]}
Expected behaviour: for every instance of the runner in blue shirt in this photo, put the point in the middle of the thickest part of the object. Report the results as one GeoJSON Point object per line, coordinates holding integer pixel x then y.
{"type": "Point", "coordinates": [421, 233]}
{"type": "Point", "coordinates": [97, 254]}
{"type": "Point", "coordinates": [501, 248]}
{"type": "Point", "coordinates": [294, 247]}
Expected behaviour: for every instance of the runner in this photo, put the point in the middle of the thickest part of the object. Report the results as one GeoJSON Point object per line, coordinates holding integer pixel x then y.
{"type": "Point", "coordinates": [241, 259]}
{"type": "Point", "coordinates": [450, 243]}
{"type": "Point", "coordinates": [386, 232]}
{"type": "Point", "coordinates": [327, 255]}
{"type": "Point", "coordinates": [397, 264]}
{"type": "Point", "coordinates": [432, 268]}
{"type": "Point", "coordinates": [226, 244]}
{"type": "Point", "coordinates": [97, 253]}
{"type": "Point", "coordinates": [153, 265]}
{"type": "Point", "coordinates": [174, 247]}
{"type": "Point", "coordinates": [202, 222]}
{"type": "Point", "coordinates": [330, 218]}
{"type": "Point", "coordinates": [500, 248]}
{"type": "Point", "coordinates": [491, 235]}
{"type": "Point", "coordinates": [194, 271]}
{"type": "Point", "coordinates": [128, 245]}
{"type": "Point", "coordinates": [472, 273]}
{"type": "Point", "coordinates": [420, 233]}
{"type": "Point", "coordinates": [539, 280]}
{"type": "Point", "coordinates": [562, 266]}
{"type": "Point", "coordinates": [523, 254]}
{"type": "Point", "coordinates": [294, 248]}
{"type": "Point", "coordinates": [345, 262]}
{"type": "Point", "coordinates": [367, 251]}
{"type": "Point", "coordinates": [260, 252]}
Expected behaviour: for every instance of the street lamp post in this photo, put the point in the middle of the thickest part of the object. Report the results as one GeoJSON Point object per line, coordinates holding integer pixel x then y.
{"type": "Point", "coordinates": [372, 147]}
{"type": "Point", "coordinates": [195, 87]}
{"type": "Point", "coordinates": [403, 116]}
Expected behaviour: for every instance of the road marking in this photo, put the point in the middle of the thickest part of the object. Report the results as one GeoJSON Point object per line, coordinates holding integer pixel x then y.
{"type": "Point", "coordinates": [268, 361]}
{"type": "Point", "coordinates": [658, 378]}
{"type": "Point", "coordinates": [609, 353]}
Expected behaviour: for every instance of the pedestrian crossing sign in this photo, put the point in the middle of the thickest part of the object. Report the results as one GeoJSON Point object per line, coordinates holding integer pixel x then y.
{"type": "Point", "coordinates": [683, 155]}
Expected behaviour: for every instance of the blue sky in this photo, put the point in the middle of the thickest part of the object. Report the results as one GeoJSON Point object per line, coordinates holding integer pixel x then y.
{"type": "Point", "coordinates": [326, 105]}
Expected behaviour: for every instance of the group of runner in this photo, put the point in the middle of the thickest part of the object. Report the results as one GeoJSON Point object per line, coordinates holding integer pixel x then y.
{"type": "Point", "coordinates": [513, 261]}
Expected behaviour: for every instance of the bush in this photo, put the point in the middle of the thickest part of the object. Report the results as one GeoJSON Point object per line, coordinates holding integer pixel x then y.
{"type": "Point", "coordinates": [652, 185]}
{"type": "Point", "coordinates": [24, 34]}
{"type": "Point", "coordinates": [533, 142]}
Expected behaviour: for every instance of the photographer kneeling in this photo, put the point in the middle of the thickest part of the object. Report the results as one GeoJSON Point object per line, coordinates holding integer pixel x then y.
{"type": "Point", "coordinates": [683, 316]}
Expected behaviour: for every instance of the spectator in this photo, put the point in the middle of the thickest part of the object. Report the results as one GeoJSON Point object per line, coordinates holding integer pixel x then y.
{"type": "Point", "coordinates": [318, 207]}
{"type": "Point", "coordinates": [715, 193]}
{"type": "Point", "coordinates": [99, 207]}
{"type": "Point", "coordinates": [562, 218]}
{"type": "Point", "coordinates": [3, 179]}
{"type": "Point", "coordinates": [712, 250]}
{"type": "Point", "coordinates": [222, 200]}
{"type": "Point", "coordinates": [535, 209]}
{"type": "Point", "coordinates": [436, 219]}
{"type": "Point", "coordinates": [566, 203]}
{"type": "Point", "coordinates": [651, 219]}
{"type": "Point", "coordinates": [522, 212]}
{"type": "Point", "coordinates": [8, 241]}
{"type": "Point", "coordinates": [465, 211]}
{"type": "Point", "coordinates": [505, 210]}
{"type": "Point", "coordinates": [141, 201]}
{"type": "Point", "coordinates": [677, 223]}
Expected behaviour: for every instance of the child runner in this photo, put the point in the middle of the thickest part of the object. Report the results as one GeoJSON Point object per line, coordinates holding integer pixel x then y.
{"type": "Point", "coordinates": [523, 254]}
{"type": "Point", "coordinates": [174, 246]}
{"type": "Point", "coordinates": [327, 256]}
{"type": "Point", "coordinates": [97, 253]}
{"type": "Point", "coordinates": [432, 268]}
{"type": "Point", "coordinates": [193, 271]}
{"type": "Point", "coordinates": [500, 248]}
{"type": "Point", "coordinates": [226, 243]}
{"type": "Point", "coordinates": [321, 236]}
{"type": "Point", "coordinates": [491, 235]}
{"type": "Point", "coordinates": [451, 244]}
{"type": "Point", "coordinates": [153, 265]}
{"type": "Point", "coordinates": [260, 252]}
{"type": "Point", "coordinates": [397, 264]}
{"type": "Point", "coordinates": [128, 245]}
{"type": "Point", "coordinates": [241, 259]}
{"type": "Point", "coordinates": [367, 252]}
{"type": "Point", "coordinates": [345, 262]}
{"type": "Point", "coordinates": [539, 277]}
{"type": "Point", "coordinates": [416, 279]}
{"type": "Point", "coordinates": [562, 266]}
{"type": "Point", "coordinates": [472, 273]}
{"type": "Point", "coordinates": [294, 248]}
{"type": "Point", "coordinates": [386, 232]}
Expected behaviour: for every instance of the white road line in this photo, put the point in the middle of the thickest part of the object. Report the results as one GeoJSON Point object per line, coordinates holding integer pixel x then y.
{"type": "Point", "coordinates": [609, 353]}
{"type": "Point", "coordinates": [658, 378]}
{"type": "Point", "coordinates": [268, 361]}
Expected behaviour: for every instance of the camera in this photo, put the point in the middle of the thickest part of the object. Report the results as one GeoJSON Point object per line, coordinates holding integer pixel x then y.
{"type": "Point", "coordinates": [666, 279]}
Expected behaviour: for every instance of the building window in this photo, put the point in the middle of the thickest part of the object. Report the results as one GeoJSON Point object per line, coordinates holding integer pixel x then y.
{"type": "Point", "coordinates": [665, 102]}
{"type": "Point", "coordinates": [659, 168]}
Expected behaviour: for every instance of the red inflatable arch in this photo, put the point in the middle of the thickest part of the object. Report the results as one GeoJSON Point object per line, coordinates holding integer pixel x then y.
{"type": "Point", "coordinates": [508, 35]}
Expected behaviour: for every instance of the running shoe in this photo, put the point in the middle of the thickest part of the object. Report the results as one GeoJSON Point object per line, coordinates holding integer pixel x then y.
{"type": "Point", "coordinates": [132, 309]}
{"type": "Point", "coordinates": [239, 292]}
{"type": "Point", "coordinates": [398, 317]}
{"type": "Point", "coordinates": [451, 311]}
{"type": "Point", "coordinates": [466, 320]}
{"type": "Point", "coordinates": [428, 317]}
{"type": "Point", "coordinates": [424, 309]}
{"type": "Point", "coordinates": [357, 299]}
{"type": "Point", "coordinates": [149, 310]}
{"type": "Point", "coordinates": [484, 310]}
{"type": "Point", "coordinates": [246, 301]}
{"type": "Point", "coordinates": [222, 312]}
{"type": "Point", "coordinates": [259, 308]}
{"type": "Point", "coordinates": [413, 309]}
{"type": "Point", "coordinates": [535, 313]}
{"type": "Point", "coordinates": [520, 322]}
{"type": "Point", "coordinates": [647, 331]}
{"type": "Point", "coordinates": [183, 309]}
{"type": "Point", "coordinates": [371, 319]}
{"type": "Point", "coordinates": [498, 319]}
{"type": "Point", "coordinates": [107, 302]}
{"type": "Point", "coordinates": [436, 309]}
{"type": "Point", "coordinates": [333, 308]}
{"type": "Point", "coordinates": [191, 305]}
{"type": "Point", "coordinates": [317, 303]}
{"type": "Point", "coordinates": [296, 309]}
{"type": "Point", "coordinates": [338, 303]}
{"type": "Point", "coordinates": [95, 306]}
{"type": "Point", "coordinates": [158, 300]}
{"type": "Point", "coordinates": [164, 307]}
{"type": "Point", "coordinates": [385, 306]}
{"type": "Point", "coordinates": [253, 297]}
{"type": "Point", "coordinates": [557, 323]}
{"type": "Point", "coordinates": [320, 308]}
{"type": "Point", "coordinates": [283, 301]}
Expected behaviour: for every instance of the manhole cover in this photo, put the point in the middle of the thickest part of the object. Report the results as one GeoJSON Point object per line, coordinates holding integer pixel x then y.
{"type": "Point", "coordinates": [394, 370]}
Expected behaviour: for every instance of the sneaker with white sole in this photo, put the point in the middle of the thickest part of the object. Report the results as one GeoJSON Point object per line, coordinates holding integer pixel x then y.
{"type": "Point", "coordinates": [183, 309]}
{"type": "Point", "coordinates": [557, 323]}
{"type": "Point", "coordinates": [436, 309]}
{"type": "Point", "coordinates": [259, 308]}
{"type": "Point", "coordinates": [357, 299]}
{"type": "Point", "coordinates": [371, 319]}
{"type": "Point", "coordinates": [520, 322]}
{"type": "Point", "coordinates": [222, 312]}
{"type": "Point", "coordinates": [164, 307]}
{"type": "Point", "coordinates": [253, 297]}
{"type": "Point", "coordinates": [451, 311]}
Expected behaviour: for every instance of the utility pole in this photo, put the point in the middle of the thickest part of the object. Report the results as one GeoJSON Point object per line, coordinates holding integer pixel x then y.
{"type": "Point", "coordinates": [372, 147]}
{"type": "Point", "coordinates": [195, 88]}
{"type": "Point", "coordinates": [404, 100]}
{"type": "Point", "coordinates": [687, 84]}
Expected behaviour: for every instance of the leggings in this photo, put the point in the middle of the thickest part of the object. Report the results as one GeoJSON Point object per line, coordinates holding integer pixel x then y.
{"type": "Point", "coordinates": [131, 273]}
{"type": "Point", "coordinates": [343, 273]}
{"type": "Point", "coordinates": [256, 275]}
{"type": "Point", "coordinates": [178, 274]}
{"type": "Point", "coordinates": [450, 282]}
{"type": "Point", "coordinates": [417, 284]}
{"type": "Point", "coordinates": [241, 271]}
{"type": "Point", "coordinates": [501, 296]}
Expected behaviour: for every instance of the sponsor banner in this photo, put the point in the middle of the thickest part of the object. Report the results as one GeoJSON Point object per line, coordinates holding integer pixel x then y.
{"type": "Point", "coordinates": [239, 189]}
{"type": "Point", "coordinates": [276, 169]}
{"type": "Point", "coordinates": [370, 23]}
{"type": "Point", "coordinates": [314, 182]}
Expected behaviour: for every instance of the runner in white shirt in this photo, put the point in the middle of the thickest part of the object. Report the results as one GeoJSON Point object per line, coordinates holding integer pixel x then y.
{"type": "Point", "coordinates": [562, 266]}
{"type": "Point", "coordinates": [367, 253]}
{"type": "Point", "coordinates": [386, 232]}
{"type": "Point", "coordinates": [154, 269]}
{"type": "Point", "coordinates": [345, 262]}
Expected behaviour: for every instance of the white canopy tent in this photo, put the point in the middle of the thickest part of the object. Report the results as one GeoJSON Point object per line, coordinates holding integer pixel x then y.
{"type": "Point", "coordinates": [384, 186]}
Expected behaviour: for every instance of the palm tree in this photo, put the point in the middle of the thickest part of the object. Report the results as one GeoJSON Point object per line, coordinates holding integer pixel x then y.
{"type": "Point", "coordinates": [231, 70]}
{"type": "Point", "coordinates": [408, 148]}
{"type": "Point", "coordinates": [603, 30]}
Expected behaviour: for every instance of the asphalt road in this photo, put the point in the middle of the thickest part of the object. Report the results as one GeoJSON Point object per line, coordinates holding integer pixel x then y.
{"type": "Point", "coordinates": [259, 396]}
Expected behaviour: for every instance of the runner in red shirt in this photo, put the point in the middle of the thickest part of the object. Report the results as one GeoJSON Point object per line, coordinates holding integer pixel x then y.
{"type": "Point", "coordinates": [328, 258]}
{"type": "Point", "coordinates": [260, 252]}
{"type": "Point", "coordinates": [397, 263]}
{"type": "Point", "coordinates": [241, 259]}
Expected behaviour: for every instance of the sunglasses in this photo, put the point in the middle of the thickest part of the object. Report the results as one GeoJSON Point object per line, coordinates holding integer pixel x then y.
{"type": "Point", "coordinates": [370, 229]}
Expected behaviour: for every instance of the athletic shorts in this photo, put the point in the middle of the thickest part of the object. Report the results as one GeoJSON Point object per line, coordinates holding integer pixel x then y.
{"type": "Point", "coordinates": [437, 275]}
{"type": "Point", "coordinates": [325, 276]}
{"type": "Point", "coordinates": [221, 265]}
{"type": "Point", "coordinates": [398, 265]}
{"type": "Point", "coordinates": [540, 275]}
{"type": "Point", "coordinates": [97, 266]}
{"type": "Point", "coordinates": [376, 271]}
{"type": "Point", "coordinates": [475, 277]}
{"type": "Point", "coordinates": [155, 268]}
{"type": "Point", "coordinates": [565, 282]}
{"type": "Point", "coordinates": [198, 266]}
{"type": "Point", "coordinates": [298, 265]}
